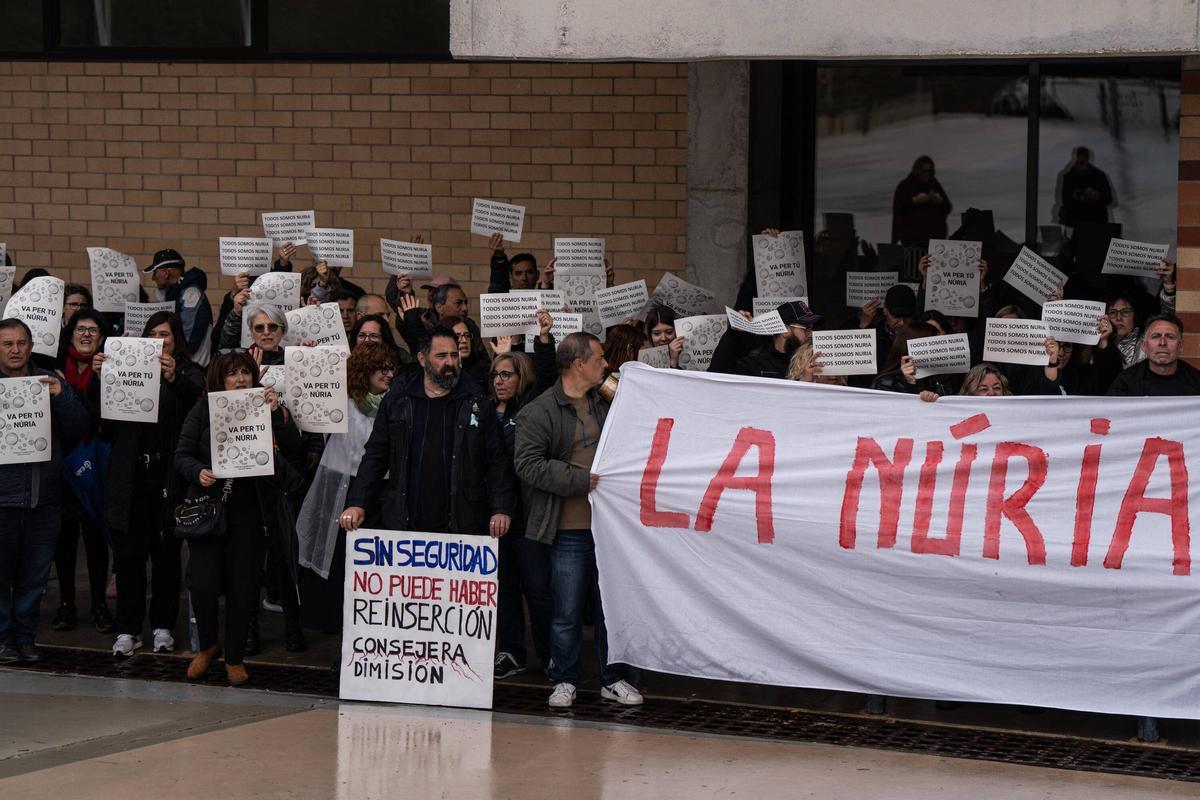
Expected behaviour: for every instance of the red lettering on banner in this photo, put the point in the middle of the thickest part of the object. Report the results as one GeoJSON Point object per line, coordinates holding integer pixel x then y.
{"type": "Point", "coordinates": [651, 517]}
{"type": "Point", "coordinates": [1013, 506]}
{"type": "Point", "coordinates": [1085, 503]}
{"type": "Point", "coordinates": [951, 544]}
{"type": "Point", "coordinates": [1175, 507]}
{"type": "Point", "coordinates": [760, 484]}
{"type": "Point", "coordinates": [868, 453]}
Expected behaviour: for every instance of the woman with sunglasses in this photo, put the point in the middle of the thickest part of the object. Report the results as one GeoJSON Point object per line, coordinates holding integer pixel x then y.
{"type": "Point", "coordinates": [268, 325]}
{"type": "Point", "coordinates": [258, 515]}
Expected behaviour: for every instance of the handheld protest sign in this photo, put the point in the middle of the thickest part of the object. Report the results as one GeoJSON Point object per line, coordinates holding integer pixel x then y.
{"type": "Point", "coordinates": [114, 279]}
{"type": "Point", "coordinates": [39, 304]}
{"type": "Point", "coordinates": [130, 378]}
{"type": "Point", "coordinates": [316, 388]}
{"type": "Point", "coordinates": [288, 227]}
{"type": "Point", "coordinates": [24, 421]}
{"type": "Point", "coordinates": [240, 434]}
{"type": "Point", "coordinates": [488, 217]}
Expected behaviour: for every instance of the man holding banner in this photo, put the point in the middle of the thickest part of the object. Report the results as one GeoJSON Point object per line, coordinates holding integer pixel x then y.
{"type": "Point", "coordinates": [556, 441]}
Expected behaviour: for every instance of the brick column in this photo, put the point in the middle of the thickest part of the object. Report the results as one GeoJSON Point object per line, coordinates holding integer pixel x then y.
{"type": "Point", "coordinates": [1188, 238]}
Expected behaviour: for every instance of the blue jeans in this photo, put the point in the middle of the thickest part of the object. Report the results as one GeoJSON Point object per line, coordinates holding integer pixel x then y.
{"type": "Point", "coordinates": [573, 580]}
{"type": "Point", "coordinates": [27, 540]}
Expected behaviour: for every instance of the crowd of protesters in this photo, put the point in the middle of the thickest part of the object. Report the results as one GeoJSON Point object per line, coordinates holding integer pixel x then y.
{"type": "Point", "coordinates": [447, 432]}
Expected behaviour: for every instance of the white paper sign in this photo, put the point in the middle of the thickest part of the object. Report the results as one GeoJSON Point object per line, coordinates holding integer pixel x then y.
{"type": "Point", "coordinates": [7, 275]}
{"type": "Point", "coordinates": [1073, 321]}
{"type": "Point", "coordinates": [406, 258]}
{"type": "Point", "coordinates": [3, 253]}
{"type": "Point", "coordinates": [940, 355]}
{"type": "Point", "coordinates": [24, 421]}
{"type": "Point", "coordinates": [846, 352]}
{"type": "Point", "coordinates": [334, 246]}
{"type": "Point", "coordinates": [504, 314]}
{"type": "Point", "coordinates": [488, 217]}
{"type": "Point", "coordinates": [114, 279]}
{"type": "Point", "coordinates": [245, 255]}
{"type": "Point", "coordinates": [1126, 257]}
{"type": "Point", "coordinates": [779, 264]}
{"type": "Point", "coordinates": [575, 255]}
{"type": "Point", "coordinates": [1015, 341]}
{"type": "Point", "coordinates": [240, 434]}
{"type": "Point", "coordinates": [288, 227]}
{"type": "Point", "coordinates": [396, 583]}
{"type": "Point", "coordinates": [321, 325]}
{"type": "Point", "coordinates": [863, 287]}
{"type": "Point", "coordinates": [766, 324]}
{"type": "Point", "coordinates": [579, 295]}
{"type": "Point", "coordinates": [563, 322]}
{"type": "Point", "coordinates": [621, 302]}
{"type": "Point", "coordinates": [685, 299]}
{"type": "Point", "coordinates": [138, 314]}
{"type": "Point", "coordinates": [316, 388]}
{"type": "Point", "coordinates": [279, 289]}
{"type": "Point", "coordinates": [657, 357]}
{"type": "Point", "coordinates": [550, 299]}
{"type": "Point", "coordinates": [274, 376]}
{"type": "Point", "coordinates": [761, 305]}
{"type": "Point", "coordinates": [1034, 277]}
{"type": "Point", "coordinates": [952, 280]}
{"type": "Point", "coordinates": [700, 337]}
{"type": "Point", "coordinates": [130, 378]}
{"type": "Point", "coordinates": [39, 304]}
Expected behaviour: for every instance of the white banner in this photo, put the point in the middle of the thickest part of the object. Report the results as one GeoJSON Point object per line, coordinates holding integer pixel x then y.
{"type": "Point", "coordinates": [316, 388]}
{"type": "Point", "coordinates": [846, 352]}
{"type": "Point", "coordinates": [288, 227]}
{"type": "Point", "coordinates": [244, 255]}
{"type": "Point", "coordinates": [952, 280]}
{"type": "Point", "coordinates": [130, 378]}
{"type": "Point", "coordinates": [574, 256]}
{"type": "Point", "coordinates": [1034, 276]}
{"type": "Point", "coordinates": [406, 258]}
{"type": "Point", "coordinates": [1015, 341]}
{"type": "Point", "coordinates": [863, 287]}
{"type": "Point", "coordinates": [940, 355]}
{"type": "Point", "coordinates": [488, 217]}
{"type": "Point", "coordinates": [700, 338]}
{"type": "Point", "coordinates": [239, 433]}
{"type": "Point", "coordinates": [114, 279]}
{"type": "Point", "coordinates": [334, 246]}
{"type": "Point", "coordinates": [39, 304]}
{"type": "Point", "coordinates": [24, 421]}
{"type": "Point", "coordinates": [138, 314]}
{"type": "Point", "coordinates": [1127, 257]}
{"type": "Point", "coordinates": [321, 325]}
{"type": "Point", "coordinates": [1074, 321]}
{"type": "Point", "coordinates": [779, 264]}
{"type": "Point", "coordinates": [972, 549]}
{"type": "Point", "coordinates": [504, 314]}
{"type": "Point", "coordinates": [419, 618]}
{"type": "Point", "coordinates": [685, 299]}
{"type": "Point", "coordinates": [617, 303]}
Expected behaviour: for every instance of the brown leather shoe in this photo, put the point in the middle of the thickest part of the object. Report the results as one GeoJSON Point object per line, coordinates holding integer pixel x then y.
{"type": "Point", "coordinates": [236, 673]}
{"type": "Point", "coordinates": [201, 662]}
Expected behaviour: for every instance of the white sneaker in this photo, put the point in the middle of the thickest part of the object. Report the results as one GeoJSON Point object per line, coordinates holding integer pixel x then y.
{"type": "Point", "coordinates": [562, 696]}
{"type": "Point", "coordinates": [623, 692]}
{"type": "Point", "coordinates": [164, 642]}
{"type": "Point", "coordinates": [270, 605]}
{"type": "Point", "coordinates": [126, 644]}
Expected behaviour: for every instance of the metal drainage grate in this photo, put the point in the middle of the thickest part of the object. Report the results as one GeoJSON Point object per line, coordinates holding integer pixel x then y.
{"type": "Point", "coordinates": [705, 717]}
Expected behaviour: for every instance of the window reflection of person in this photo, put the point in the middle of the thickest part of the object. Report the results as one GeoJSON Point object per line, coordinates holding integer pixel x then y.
{"type": "Point", "coordinates": [920, 206]}
{"type": "Point", "coordinates": [1086, 192]}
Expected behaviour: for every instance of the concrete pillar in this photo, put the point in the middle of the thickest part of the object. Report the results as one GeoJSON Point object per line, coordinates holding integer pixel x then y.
{"type": "Point", "coordinates": [718, 174]}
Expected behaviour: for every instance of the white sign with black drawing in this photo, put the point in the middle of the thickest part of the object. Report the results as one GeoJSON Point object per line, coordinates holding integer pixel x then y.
{"type": "Point", "coordinates": [685, 299]}
{"type": "Point", "coordinates": [318, 325]}
{"type": "Point", "coordinates": [39, 304]}
{"type": "Point", "coordinates": [279, 289]}
{"type": "Point", "coordinates": [316, 388]}
{"type": "Point", "coordinates": [24, 421]}
{"type": "Point", "coordinates": [239, 424]}
{"type": "Point", "coordinates": [779, 264]}
{"type": "Point", "coordinates": [700, 337]}
{"type": "Point", "coordinates": [579, 295]}
{"type": "Point", "coordinates": [130, 378]}
{"type": "Point", "coordinates": [114, 279]}
{"type": "Point", "coordinates": [952, 278]}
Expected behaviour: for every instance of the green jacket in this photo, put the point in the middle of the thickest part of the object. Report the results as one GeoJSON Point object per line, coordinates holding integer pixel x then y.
{"type": "Point", "coordinates": [546, 430]}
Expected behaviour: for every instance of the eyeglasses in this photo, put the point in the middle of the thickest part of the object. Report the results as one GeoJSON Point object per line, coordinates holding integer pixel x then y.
{"type": "Point", "coordinates": [270, 326]}
{"type": "Point", "coordinates": [363, 336]}
{"type": "Point", "coordinates": [227, 350]}
{"type": "Point", "coordinates": [82, 331]}
{"type": "Point", "coordinates": [462, 337]}
{"type": "Point", "coordinates": [1120, 313]}
{"type": "Point", "coordinates": [76, 304]}
{"type": "Point", "coordinates": [504, 374]}
{"type": "Point", "coordinates": [387, 370]}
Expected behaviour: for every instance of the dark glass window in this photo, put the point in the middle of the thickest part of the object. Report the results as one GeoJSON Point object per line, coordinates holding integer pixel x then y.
{"type": "Point", "coordinates": [21, 31]}
{"type": "Point", "coordinates": [159, 24]}
{"type": "Point", "coordinates": [407, 29]}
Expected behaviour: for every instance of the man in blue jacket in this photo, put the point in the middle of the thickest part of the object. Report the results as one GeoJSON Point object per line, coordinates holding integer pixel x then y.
{"type": "Point", "coordinates": [187, 291]}
{"type": "Point", "coordinates": [29, 504]}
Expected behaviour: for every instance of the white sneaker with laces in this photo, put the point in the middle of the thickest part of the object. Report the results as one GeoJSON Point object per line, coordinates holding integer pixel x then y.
{"type": "Point", "coordinates": [562, 696]}
{"type": "Point", "coordinates": [126, 644]}
{"type": "Point", "coordinates": [164, 642]}
{"type": "Point", "coordinates": [622, 692]}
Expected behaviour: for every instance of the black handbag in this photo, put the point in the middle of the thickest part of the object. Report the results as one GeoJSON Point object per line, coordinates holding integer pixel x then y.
{"type": "Point", "coordinates": [202, 518]}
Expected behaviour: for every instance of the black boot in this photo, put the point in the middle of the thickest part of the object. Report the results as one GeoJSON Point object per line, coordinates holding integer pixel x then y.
{"type": "Point", "coordinates": [253, 642]}
{"type": "Point", "coordinates": [102, 619]}
{"type": "Point", "coordinates": [293, 633]}
{"type": "Point", "coordinates": [64, 620]}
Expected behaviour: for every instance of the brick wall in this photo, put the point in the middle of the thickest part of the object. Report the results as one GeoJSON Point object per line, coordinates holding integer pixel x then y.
{"type": "Point", "coordinates": [139, 156]}
{"type": "Point", "coordinates": [1188, 266]}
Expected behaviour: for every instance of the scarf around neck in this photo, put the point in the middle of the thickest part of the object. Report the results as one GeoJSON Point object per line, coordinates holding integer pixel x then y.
{"type": "Point", "coordinates": [76, 375]}
{"type": "Point", "coordinates": [369, 405]}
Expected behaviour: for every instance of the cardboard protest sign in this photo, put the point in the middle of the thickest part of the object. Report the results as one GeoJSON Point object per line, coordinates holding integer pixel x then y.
{"type": "Point", "coordinates": [288, 227]}
{"type": "Point", "coordinates": [279, 289]}
{"type": "Point", "coordinates": [321, 325]}
{"type": "Point", "coordinates": [334, 246]}
{"type": "Point", "coordinates": [24, 421]}
{"type": "Point", "coordinates": [549, 299]}
{"type": "Point", "coordinates": [504, 314]}
{"type": "Point", "coordinates": [1034, 277]}
{"type": "Point", "coordinates": [766, 324]}
{"type": "Point", "coordinates": [761, 305]}
{"type": "Point", "coordinates": [245, 255]}
{"type": "Point", "coordinates": [240, 434]}
{"type": "Point", "coordinates": [316, 388]}
{"type": "Point", "coordinates": [138, 314]}
{"type": "Point", "coordinates": [577, 255]}
{"type": "Point", "coordinates": [700, 337]}
{"type": "Point", "coordinates": [564, 322]}
{"type": "Point", "coordinates": [863, 287]}
{"type": "Point", "coordinates": [846, 352]}
{"type": "Point", "coordinates": [940, 355]}
{"type": "Point", "coordinates": [7, 276]}
{"type": "Point", "coordinates": [617, 303]}
{"type": "Point", "coordinates": [1073, 321]}
{"type": "Point", "coordinates": [779, 264]}
{"type": "Point", "coordinates": [657, 357]}
{"type": "Point", "coordinates": [952, 279]}
{"type": "Point", "coordinates": [1016, 341]}
{"type": "Point", "coordinates": [39, 304]}
{"type": "Point", "coordinates": [114, 280]}
{"type": "Point", "coordinates": [1126, 257]}
{"type": "Point", "coordinates": [685, 299]}
{"type": "Point", "coordinates": [419, 618]}
{"type": "Point", "coordinates": [130, 378]}
{"type": "Point", "coordinates": [579, 295]}
{"type": "Point", "coordinates": [488, 217]}
{"type": "Point", "coordinates": [406, 258]}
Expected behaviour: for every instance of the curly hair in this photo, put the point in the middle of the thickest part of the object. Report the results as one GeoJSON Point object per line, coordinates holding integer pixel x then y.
{"type": "Point", "coordinates": [364, 361]}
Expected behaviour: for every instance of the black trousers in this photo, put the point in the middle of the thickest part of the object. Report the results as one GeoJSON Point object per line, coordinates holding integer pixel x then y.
{"type": "Point", "coordinates": [76, 522]}
{"type": "Point", "coordinates": [230, 565]}
{"type": "Point", "coordinates": [148, 538]}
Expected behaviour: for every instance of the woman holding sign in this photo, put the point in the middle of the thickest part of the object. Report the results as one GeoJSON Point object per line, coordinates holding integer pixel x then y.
{"type": "Point", "coordinates": [256, 509]}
